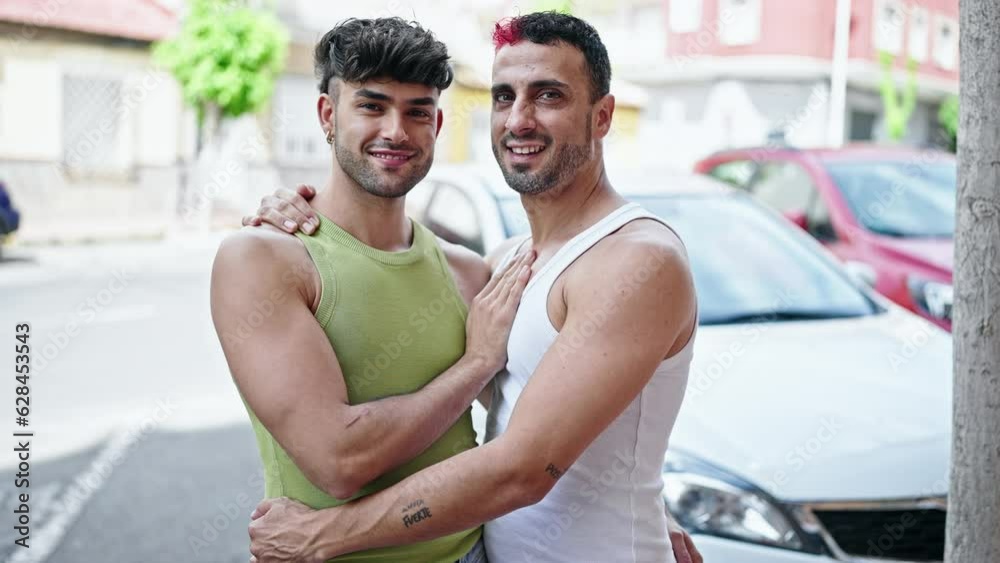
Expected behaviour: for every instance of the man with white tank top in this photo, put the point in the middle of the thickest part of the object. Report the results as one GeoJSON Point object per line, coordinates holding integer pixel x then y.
{"type": "Point", "coordinates": [598, 355]}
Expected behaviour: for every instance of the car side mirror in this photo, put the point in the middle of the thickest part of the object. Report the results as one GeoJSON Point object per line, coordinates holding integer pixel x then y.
{"type": "Point", "coordinates": [798, 218]}
{"type": "Point", "coordinates": [862, 273]}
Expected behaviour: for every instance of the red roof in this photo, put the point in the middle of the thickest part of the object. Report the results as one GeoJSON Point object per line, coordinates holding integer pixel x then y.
{"type": "Point", "coordinates": [144, 20]}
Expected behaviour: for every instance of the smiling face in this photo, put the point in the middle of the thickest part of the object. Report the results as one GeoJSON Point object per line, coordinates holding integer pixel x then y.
{"type": "Point", "coordinates": [384, 133]}
{"type": "Point", "coordinates": [543, 115]}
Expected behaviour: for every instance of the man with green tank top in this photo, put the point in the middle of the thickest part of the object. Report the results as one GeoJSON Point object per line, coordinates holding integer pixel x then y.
{"type": "Point", "coordinates": [358, 350]}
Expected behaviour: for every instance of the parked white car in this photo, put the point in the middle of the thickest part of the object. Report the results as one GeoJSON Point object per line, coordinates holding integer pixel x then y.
{"type": "Point", "coordinates": [816, 425]}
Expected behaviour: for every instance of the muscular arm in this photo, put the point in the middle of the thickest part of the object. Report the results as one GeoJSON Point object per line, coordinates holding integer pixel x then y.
{"type": "Point", "coordinates": [287, 371]}
{"type": "Point", "coordinates": [591, 382]}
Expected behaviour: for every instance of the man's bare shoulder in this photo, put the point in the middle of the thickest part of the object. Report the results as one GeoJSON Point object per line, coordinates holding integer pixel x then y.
{"type": "Point", "coordinates": [644, 252]}
{"type": "Point", "coordinates": [264, 255]}
{"type": "Point", "coordinates": [467, 267]}
{"type": "Point", "coordinates": [642, 239]}
{"type": "Point", "coordinates": [261, 247]}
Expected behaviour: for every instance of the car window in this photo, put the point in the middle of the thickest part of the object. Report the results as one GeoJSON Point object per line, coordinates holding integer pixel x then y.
{"type": "Point", "coordinates": [453, 216]}
{"type": "Point", "coordinates": [912, 198]}
{"type": "Point", "coordinates": [735, 173]}
{"type": "Point", "coordinates": [784, 186]}
{"type": "Point", "coordinates": [750, 265]}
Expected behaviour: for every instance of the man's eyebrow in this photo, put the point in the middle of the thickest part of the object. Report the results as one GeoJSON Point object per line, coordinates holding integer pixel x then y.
{"type": "Point", "coordinates": [373, 95]}
{"type": "Point", "coordinates": [502, 87]}
{"type": "Point", "coordinates": [552, 83]}
{"type": "Point", "coordinates": [366, 93]}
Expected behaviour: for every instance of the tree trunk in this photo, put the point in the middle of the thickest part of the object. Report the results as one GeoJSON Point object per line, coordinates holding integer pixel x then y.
{"type": "Point", "coordinates": [974, 500]}
{"type": "Point", "coordinates": [195, 213]}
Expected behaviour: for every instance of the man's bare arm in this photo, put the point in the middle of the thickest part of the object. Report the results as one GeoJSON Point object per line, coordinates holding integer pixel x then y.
{"type": "Point", "coordinates": [288, 373]}
{"type": "Point", "coordinates": [591, 383]}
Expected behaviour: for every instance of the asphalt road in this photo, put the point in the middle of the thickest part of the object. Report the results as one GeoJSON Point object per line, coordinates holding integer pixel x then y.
{"type": "Point", "coordinates": [141, 450]}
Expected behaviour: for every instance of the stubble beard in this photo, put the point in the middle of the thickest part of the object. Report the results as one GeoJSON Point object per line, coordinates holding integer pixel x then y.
{"type": "Point", "coordinates": [366, 175]}
{"type": "Point", "coordinates": [558, 171]}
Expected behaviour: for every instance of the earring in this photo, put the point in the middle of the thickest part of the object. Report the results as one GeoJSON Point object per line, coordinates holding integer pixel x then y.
{"type": "Point", "coordinates": [329, 137]}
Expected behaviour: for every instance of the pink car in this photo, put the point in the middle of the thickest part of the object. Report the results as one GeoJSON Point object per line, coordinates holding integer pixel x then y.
{"type": "Point", "coordinates": [887, 213]}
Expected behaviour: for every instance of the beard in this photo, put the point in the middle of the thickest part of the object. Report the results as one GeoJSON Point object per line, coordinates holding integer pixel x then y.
{"type": "Point", "coordinates": [366, 174]}
{"type": "Point", "coordinates": [559, 170]}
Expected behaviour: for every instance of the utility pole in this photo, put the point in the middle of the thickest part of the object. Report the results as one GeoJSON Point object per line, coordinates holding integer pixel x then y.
{"type": "Point", "coordinates": [838, 74]}
{"type": "Point", "coordinates": [974, 498]}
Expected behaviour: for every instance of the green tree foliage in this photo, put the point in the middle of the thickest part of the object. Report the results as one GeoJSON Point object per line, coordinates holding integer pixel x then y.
{"type": "Point", "coordinates": [226, 57]}
{"type": "Point", "coordinates": [898, 109]}
{"type": "Point", "coordinates": [948, 119]}
{"type": "Point", "coordinates": [561, 6]}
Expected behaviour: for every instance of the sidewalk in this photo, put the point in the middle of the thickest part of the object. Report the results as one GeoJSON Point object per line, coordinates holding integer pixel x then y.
{"type": "Point", "coordinates": [23, 265]}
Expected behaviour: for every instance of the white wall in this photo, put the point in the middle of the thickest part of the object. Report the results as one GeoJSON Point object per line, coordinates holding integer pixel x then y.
{"type": "Point", "coordinates": [152, 115]}
{"type": "Point", "coordinates": [31, 110]}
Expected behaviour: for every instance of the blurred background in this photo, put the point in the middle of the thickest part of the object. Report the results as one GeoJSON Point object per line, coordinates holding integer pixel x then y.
{"type": "Point", "coordinates": [134, 134]}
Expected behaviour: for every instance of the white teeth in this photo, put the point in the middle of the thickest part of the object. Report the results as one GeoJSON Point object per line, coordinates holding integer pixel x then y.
{"type": "Point", "coordinates": [526, 150]}
{"type": "Point", "coordinates": [389, 156]}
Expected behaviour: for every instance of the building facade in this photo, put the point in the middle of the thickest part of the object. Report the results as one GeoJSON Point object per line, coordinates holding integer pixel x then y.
{"type": "Point", "coordinates": [738, 72]}
{"type": "Point", "coordinates": [92, 136]}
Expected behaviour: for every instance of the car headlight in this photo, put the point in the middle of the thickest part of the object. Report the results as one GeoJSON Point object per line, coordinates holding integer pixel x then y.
{"type": "Point", "coordinates": [934, 297]}
{"type": "Point", "coordinates": [707, 500]}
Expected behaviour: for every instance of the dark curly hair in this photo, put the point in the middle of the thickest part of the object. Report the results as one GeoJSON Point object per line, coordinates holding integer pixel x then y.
{"type": "Point", "coordinates": [357, 50]}
{"type": "Point", "coordinates": [547, 28]}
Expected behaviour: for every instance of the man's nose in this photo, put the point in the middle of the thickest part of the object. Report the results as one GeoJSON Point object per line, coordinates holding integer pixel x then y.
{"type": "Point", "coordinates": [394, 128]}
{"type": "Point", "coordinates": [521, 119]}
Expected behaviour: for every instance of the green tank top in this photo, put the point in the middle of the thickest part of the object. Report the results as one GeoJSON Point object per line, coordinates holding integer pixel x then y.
{"type": "Point", "coordinates": [396, 320]}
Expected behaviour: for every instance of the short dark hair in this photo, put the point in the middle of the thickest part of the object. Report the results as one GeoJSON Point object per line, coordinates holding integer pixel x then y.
{"type": "Point", "coordinates": [357, 50]}
{"type": "Point", "coordinates": [546, 28]}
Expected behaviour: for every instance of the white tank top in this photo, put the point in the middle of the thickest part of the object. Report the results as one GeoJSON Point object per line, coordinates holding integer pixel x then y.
{"type": "Point", "coordinates": [608, 506]}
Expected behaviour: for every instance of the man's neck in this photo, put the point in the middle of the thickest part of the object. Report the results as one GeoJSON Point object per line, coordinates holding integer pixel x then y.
{"type": "Point", "coordinates": [378, 222]}
{"type": "Point", "coordinates": [561, 213]}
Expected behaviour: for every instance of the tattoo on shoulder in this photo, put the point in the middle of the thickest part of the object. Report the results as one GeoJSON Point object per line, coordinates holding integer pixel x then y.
{"type": "Point", "coordinates": [415, 512]}
{"type": "Point", "coordinates": [554, 471]}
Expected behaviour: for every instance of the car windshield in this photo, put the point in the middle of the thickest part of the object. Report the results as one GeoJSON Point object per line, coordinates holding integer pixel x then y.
{"type": "Point", "coordinates": [748, 265]}
{"type": "Point", "coordinates": [900, 198]}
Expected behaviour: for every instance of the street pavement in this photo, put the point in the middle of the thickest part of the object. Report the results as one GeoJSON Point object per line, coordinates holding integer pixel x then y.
{"type": "Point", "coordinates": [141, 448]}
{"type": "Point", "coordinates": [142, 451]}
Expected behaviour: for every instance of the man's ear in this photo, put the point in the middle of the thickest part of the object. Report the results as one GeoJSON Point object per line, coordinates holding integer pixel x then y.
{"type": "Point", "coordinates": [326, 111]}
{"type": "Point", "coordinates": [440, 123]}
{"type": "Point", "coordinates": [605, 111]}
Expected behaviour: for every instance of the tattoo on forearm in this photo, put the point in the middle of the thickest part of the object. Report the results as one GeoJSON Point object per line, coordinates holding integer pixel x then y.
{"type": "Point", "coordinates": [554, 471]}
{"type": "Point", "coordinates": [418, 516]}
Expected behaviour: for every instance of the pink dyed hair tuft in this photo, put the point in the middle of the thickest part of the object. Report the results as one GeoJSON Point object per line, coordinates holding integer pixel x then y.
{"type": "Point", "coordinates": [506, 32]}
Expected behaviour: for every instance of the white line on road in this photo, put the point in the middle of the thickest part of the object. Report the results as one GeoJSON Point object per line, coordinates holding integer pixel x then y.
{"type": "Point", "coordinates": [78, 492]}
